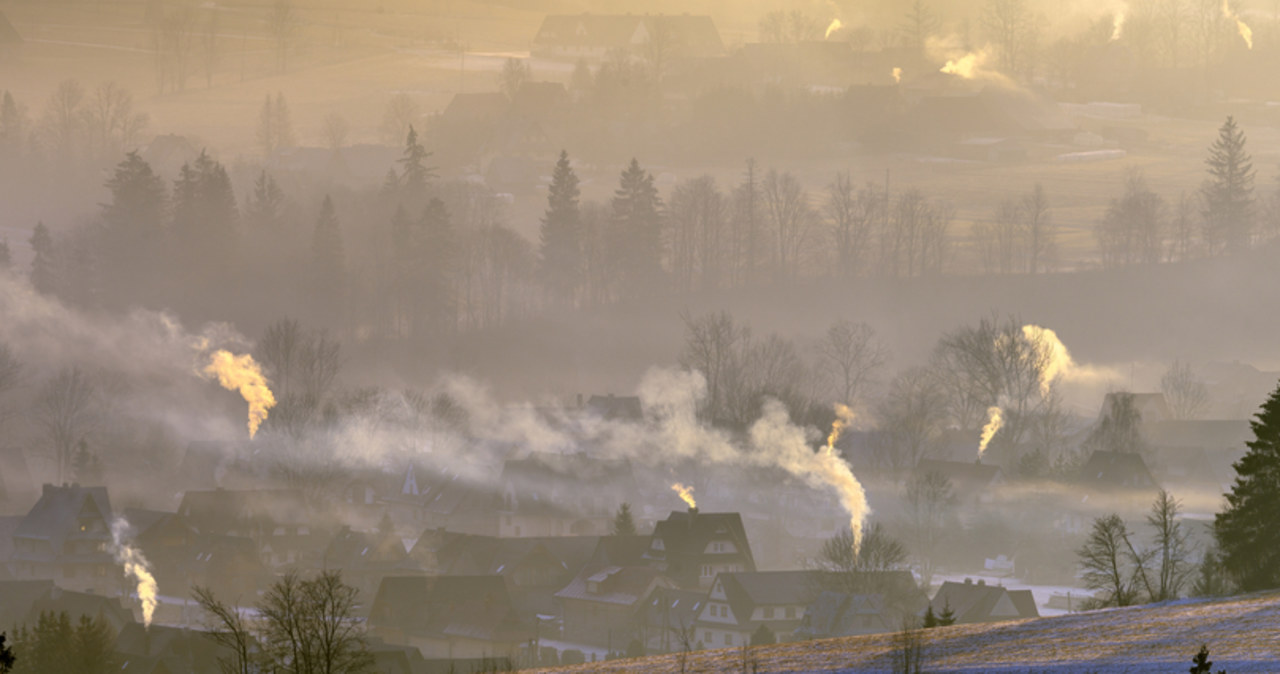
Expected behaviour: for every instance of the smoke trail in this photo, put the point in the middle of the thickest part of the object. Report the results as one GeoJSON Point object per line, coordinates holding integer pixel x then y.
{"type": "Point", "coordinates": [686, 494]}
{"type": "Point", "coordinates": [779, 443]}
{"type": "Point", "coordinates": [995, 420]}
{"type": "Point", "coordinates": [844, 417]}
{"type": "Point", "coordinates": [242, 373]}
{"type": "Point", "coordinates": [136, 567]}
{"type": "Point", "coordinates": [967, 66]}
{"type": "Point", "coordinates": [1117, 23]}
{"type": "Point", "coordinates": [836, 25]}
{"type": "Point", "coordinates": [897, 75]}
{"type": "Point", "coordinates": [1246, 33]}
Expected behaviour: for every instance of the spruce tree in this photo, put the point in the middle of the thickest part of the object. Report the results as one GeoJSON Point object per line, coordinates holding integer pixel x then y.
{"type": "Point", "coordinates": [328, 261]}
{"type": "Point", "coordinates": [7, 658]}
{"type": "Point", "coordinates": [1248, 530]}
{"type": "Point", "coordinates": [263, 209]}
{"type": "Point", "coordinates": [133, 229]}
{"type": "Point", "coordinates": [930, 620]}
{"type": "Point", "coordinates": [44, 271]}
{"type": "Point", "coordinates": [637, 228]}
{"type": "Point", "coordinates": [623, 523]}
{"type": "Point", "coordinates": [1228, 192]}
{"type": "Point", "coordinates": [561, 234]}
{"type": "Point", "coordinates": [415, 173]}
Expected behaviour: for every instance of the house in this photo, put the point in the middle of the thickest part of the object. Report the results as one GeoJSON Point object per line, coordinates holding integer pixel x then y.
{"type": "Point", "coordinates": [1117, 472]}
{"type": "Point", "coordinates": [366, 558]}
{"type": "Point", "coordinates": [446, 501]}
{"type": "Point", "coordinates": [843, 614]}
{"type": "Point", "coordinates": [535, 568]}
{"type": "Point", "coordinates": [159, 648]}
{"type": "Point", "coordinates": [1151, 407]}
{"type": "Point", "coordinates": [971, 482]}
{"type": "Point", "coordinates": [448, 616]}
{"type": "Point", "coordinates": [739, 604]}
{"type": "Point", "coordinates": [231, 566]}
{"type": "Point", "coordinates": [550, 494]}
{"type": "Point", "coordinates": [670, 616]}
{"type": "Point", "coordinates": [692, 548]}
{"type": "Point", "coordinates": [603, 606]}
{"type": "Point", "coordinates": [279, 521]}
{"type": "Point", "coordinates": [65, 536]}
{"type": "Point", "coordinates": [977, 602]}
{"type": "Point", "coordinates": [10, 41]}
{"type": "Point", "coordinates": [593, 36]}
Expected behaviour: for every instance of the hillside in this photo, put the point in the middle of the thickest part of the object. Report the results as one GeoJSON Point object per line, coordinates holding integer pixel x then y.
{"type": "Point", "coordinates": [1241, 634]}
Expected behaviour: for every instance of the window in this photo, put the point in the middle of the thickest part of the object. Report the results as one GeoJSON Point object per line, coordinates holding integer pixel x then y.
{"type": "Point", "coordinates": [706, 570]}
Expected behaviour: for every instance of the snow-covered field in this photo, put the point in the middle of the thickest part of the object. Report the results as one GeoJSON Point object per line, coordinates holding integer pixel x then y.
{"type": "Point", "coordinates": [1243, 635]}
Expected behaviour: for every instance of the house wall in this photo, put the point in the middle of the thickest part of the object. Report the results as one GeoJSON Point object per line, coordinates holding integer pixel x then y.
{"type": "Point", "coordinates": [599, 624]}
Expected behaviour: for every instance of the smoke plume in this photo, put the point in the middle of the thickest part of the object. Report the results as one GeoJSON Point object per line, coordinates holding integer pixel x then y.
{"type": "Point", "coordinates": [1246, 33]}
{"type": "Point", "coordinates": [995, 420]}
{"type": "Point", "coordinates": [136, 567]}
{"type": "Point", "coordinates": [242, 373]}
{"type": "Point", "coordinates": [685, 493]}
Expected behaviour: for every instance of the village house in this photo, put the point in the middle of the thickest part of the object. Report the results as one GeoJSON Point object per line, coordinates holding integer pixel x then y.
{"type": "Point", "coordinates": [66, 537]}
{"type": "Point", "coordinates": [548, 494]}
{"type": "Point", "coordinates": [22, 602]}
{"type": "Point", "coordinates": [978, 602]}
{"type": "Point", "coordinates": [365, 558]}
{"type": "Point", "coordinates": [670, 617]}
{"type": "Point", "coordinates": [277, 520]}
{"type": "Point", "coordinates": [692, 548]}
{"type": "Point", "coordinates": [972, 483]}
{"type": "Point", "coordinates": [604, 606]}
{"type": "Point", "coordinates": [449, 616]}
{"type": "Point", "coordinates": [862, 603]}
{"type": "Point", "coordinates": [739, 604]}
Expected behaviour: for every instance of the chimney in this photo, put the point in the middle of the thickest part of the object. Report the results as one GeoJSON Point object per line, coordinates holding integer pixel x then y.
{"type": "Point", "coordinates": [968, 581]}
{"type": "Point", "coordinates": [693, 511]}
{"type": "Point", "coordinates": [982, 582]}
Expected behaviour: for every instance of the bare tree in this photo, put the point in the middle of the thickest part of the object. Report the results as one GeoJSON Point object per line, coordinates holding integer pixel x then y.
{"type": "Point", "coordinates": [319, 361]}
{"type": "Point", "coordinates": [401, 113]}
{"type": "Point", "coordinates": [282, 25]}
{"type": "Point", "coordinates": [662, 47]}
{"type": "Point", "coordinates": [839, 569]}
{"type": "Point", "coordinates": [65, 412]}
{"type": "Point", "coordinates": [110, 121]}
{"type": "Point", "coordinates": [1170, 547]}
{"type": "Point", "coordinates": [1012, 27]}
{"type": "Point", "coordinates": [1132, 232]}
{"type": "Point", "coordinates": [1038, 225]}
{"type": "Point", "coordinates": [1107, 565]}
{"type": "Point", "coordinates": [229, 630]}
{"type": "Point", "coordinates": [931, 503]}
{"type": "Point", "coordinates": [911, 418]}
{"type": "Point", "coordinates": [853, 214]}
{"type": "Point", "coordinates": [62, 122]}
{"type": "Point", "coordinates": [279, 351]}
{"type": "Point", "coordinates": [918, 25]}
{"type": "Point", "coordinates": [335, 129]}
{"type": "Point", "coordinates": [792, 219]}
{"type": "Point", "coordinates": [854, 354]}
{"type": "Point", "coordinates": [999, 241]}
{"type": "Point", "coordinates": [210, 50]}
{"type": "Point", "coordinates": [1186, 394]}
{"type": "Point", "coordinates": [515, 72]}
{"type": "Point", "coordinates": [696, 214]}
{"type": "Point", "coordinates": [714, 345]}
{"type": "Point", "coordinates": [913, 241]}
{"type": "Point", "coordinates": [172, 31]}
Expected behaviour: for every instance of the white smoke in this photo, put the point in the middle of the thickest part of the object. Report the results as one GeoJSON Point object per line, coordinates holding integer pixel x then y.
{"type": "Point", "coordinates": [136, 567]}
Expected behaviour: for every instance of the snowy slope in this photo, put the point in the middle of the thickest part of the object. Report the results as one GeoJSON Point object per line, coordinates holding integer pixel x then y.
{"type": "Point", "coordinates": [1243, 635]}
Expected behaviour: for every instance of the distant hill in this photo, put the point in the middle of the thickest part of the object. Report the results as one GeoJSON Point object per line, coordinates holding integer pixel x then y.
{"type": "Point", "coordinates": [1240, 632]}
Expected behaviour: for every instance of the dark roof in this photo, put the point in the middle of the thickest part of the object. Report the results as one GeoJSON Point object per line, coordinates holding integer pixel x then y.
{"type": "Point", "coordinates": [626, 408]}
{"type": "Point", "coordinates": [838, 614]}
{"type": "Point", "coordinates": [470, 554]}
{"type": "Point", "coordinates": [978, 602]}
{"type": "Point", "coordinates": [965, 476]}
{"type": "Point", "coordinates": [1116, 470]}
{"type": "Point", "coordinates": [747, 590]}
{"type": "Point", "coordinates": [221, 510]}
{"type": "Point", "coordinates": [668, 608]}
{"type": "Point", "coordinates": [689, 532]}
{"type": "Point", "coordinates": [181, 650]}
{"type": "Point", "coordinates": [476, 607]}
{"type": "Point", "coordinates": [695, 35]}
{"type": "Point", "coordinates": [55, 516]}
{"type": "Point", "coordinates": [355, 549]}
{"type": "Point", "coordinates": [620, 550]}
{"type": "Point", "coordinates": [624, 585]}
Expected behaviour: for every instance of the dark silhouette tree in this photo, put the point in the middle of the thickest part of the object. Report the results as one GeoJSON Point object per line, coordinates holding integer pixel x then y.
{"type": "Point", "coordinates": [1247, 531]}
{"type": "Point", "coordinates": [264, 207]}
{"type": "Point", "coordinates": [623, 523]}
{"type": "Point", "coordinates": [561, 234]}
{"type": "Point", "coordinates": [44, 270]}
{"type": "Point", "coordinates": [134, 223]}
{"type": "Point", "coordinates": [328, 263]}
{"type": "Point", "coordinates": [414, 174]}
{"type": "Point", "coordinates": [637, 229]}
{"type": "Point", "coordinates": [1228, 192]}
{"type": "Point", "coordinates": [7, 658]}
{"type": "Point", "coordinates": [205, 219]}
{"type": "Point", "coordinates": [763, 636]}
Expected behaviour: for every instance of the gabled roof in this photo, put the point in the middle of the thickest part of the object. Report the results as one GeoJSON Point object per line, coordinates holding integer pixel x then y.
{"type": "Point", "coordinates": [1116, 470]}
{"type": "Point", "coordinates": [620, 550]}
{"type": "Point", "coordinates": [689, 533]}
{"type": "Point", "coordinates": [469, 554]}
{"type": "Point", "coordinates": [476, 607]}
{"type": "Point", "coordinates": [355, 549]}
{"type": "Point", "coordinates": [838, 614]}
{"type": "Point", "coordinates": [622, 585]}
{"type": "Point", "coordinates": [55, 516]}
{"type": "Point", "coordinates": [747, 590]}
{"type": "Point", "coordinates": [979, 602]}
{"type": "Point", "coordinates": [219, 510]}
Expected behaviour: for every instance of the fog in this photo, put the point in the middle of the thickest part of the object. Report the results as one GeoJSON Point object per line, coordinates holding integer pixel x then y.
{"type": "Point", "coordinates": [890, 296]}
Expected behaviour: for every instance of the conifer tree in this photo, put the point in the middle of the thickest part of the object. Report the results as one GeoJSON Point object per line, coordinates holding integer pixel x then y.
{"type": "Point", "coordinates": [561, 234]}
{"type": "Point", "coordinates": [1248, 530]}
{"type": "Point", "coordinates": [263, 208]}
{"type": "Point", "coordinates": [44, 274]}
{"type": "Point", "coordinates": [1228, 192]}
{"type": "Point", "coordinates": [623, 523]}
{"type": "Point", "coordinates": [328, 261]}
{"type": "Point", "coordinates": [134, 229]}
{"type": "Point", "coordinates": [415, 173]}
{"type": "Point", "coordinates": [637, 229]}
